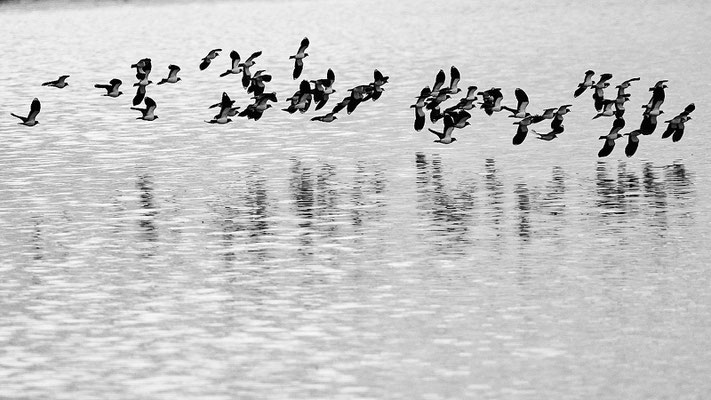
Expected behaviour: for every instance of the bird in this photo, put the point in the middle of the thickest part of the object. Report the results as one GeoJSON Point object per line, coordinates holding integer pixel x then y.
{"type": "Point", "coordinates": [455, 77]}
{"type": "Point", "coordinates": [149, 111]}
{"type": "Point", "coordinates": [143, 68]}
{"type": "Point", "coordinates": [208, 58]}
{"type": "Point", "coordinates": [445, 137]}
{"type": "Point", "coordinates": [255, 110]}
{"type": "Point", "coordinates": [467, 102]}
{"type": "Point", "coordinates": [522, 130]}
{"type": "Point", "coordinates": [649, 123]}
{"type": "Point", "coordinates": [31, 119]}
{"type": "Point", "coordinates": [377, 85]}
{"type": "Point", "coordinates": [256, 82]}
{"type": "Point", "coordinates": [557, 122]}
{"type": "Point", "coordinates": [235, 69]}
{"type": "Point", "coordinates": [59, 83]}
{"type": "Point", "coordinates": [610, 138]}
{"type": "Point", "coordinates": [675, 127]}
{"type": "Point", "coordinates": [330, 117]}
{"type": "Point", "coordinates": [492, 100]}
{"type": "Point", "coordinates": [657, 99]}
{"type": "Point", "coordinates": [599, 92]}
{"type": "Point", "coordinates": [632, 142]}
{"type": "Point", "coordinates": [586, 83]}
{"type": "Point", "coordinates": [548, 113]}
{"type": "Point", "coordinates": [248, 63]}
{"type": "Point", "coordinates": [459, 118]}
{"type": "Point", "coordinates": [419, 108]}
{"type": "Point", "coordinates": [111, 88]}
{"type": "Point", "coordinates": [607, 109]}
{"type": "Point", "coordinates": [624, 85]}
{"type": "Point", "coordinates": [323, 89]}
{"type": "Point", "coordinates": [522, 103]}
{"type": "Point", "coordinates": [546, 136]}
{"type": "Point", "coordinates": [620, 101]}
{"type": "Point", "coordinates": [172, 75]}
{"type": "Point", "coordinates": [439, 81]}
{"type": "Point", "coordinates": [223, 116]}
{"type": "Point", "coordinates": [301, 100]}
{"type": "Point", "coordinates": [358, 93]}
{"type": "Point", "coordinates": [299, 58]}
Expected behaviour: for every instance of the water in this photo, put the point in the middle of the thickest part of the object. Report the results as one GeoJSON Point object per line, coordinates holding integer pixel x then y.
{"type": "Point", "coordinates": [292, 259]}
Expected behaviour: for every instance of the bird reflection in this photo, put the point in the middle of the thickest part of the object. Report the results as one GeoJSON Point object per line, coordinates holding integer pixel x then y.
{"type": "Point", "coordinates": [147, 202]}
{"type": "Point", "coordinates": [495, 189]}
{"type": "Point", "coordinates": [449, 208]}
{"type": "Point", "coordinates": [523, 205]}
{"type": "Point", "coordinates": [365, 193]}
{"type": "Point", "coordinates": [553, 199]}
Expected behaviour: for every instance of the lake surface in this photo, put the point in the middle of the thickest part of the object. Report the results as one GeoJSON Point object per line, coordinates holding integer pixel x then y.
{"type": "Point", "coordinates": [286, 258]}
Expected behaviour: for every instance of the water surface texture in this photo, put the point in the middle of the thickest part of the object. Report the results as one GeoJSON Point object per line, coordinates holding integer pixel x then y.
{"type": "Point", "coordinates": [290, 259]}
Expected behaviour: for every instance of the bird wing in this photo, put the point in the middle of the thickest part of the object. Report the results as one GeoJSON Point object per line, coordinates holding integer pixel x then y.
{"type": "Point", "coordinates": [439, 81]}
{"type": "Point", "coordinates": [298, 67]}
{"type": "Point", "coordinates": [150, 103]}
{"type": "Point", "coordinates": [115, 83]}
{"type": "Point", "coordinates": [234, 55]}
{"type": "Point", "coordinates": [455, 77]}
{"type": "Point", "coordinates": [522, 99]}
{"type": "Point", "coordinates": [304, 45]}
{"type": "Point", "coordinates": [252, 57]}
{"type": "Point", "coordinates": [331, 76]}
{"type": "Point", "coordinates": [34, 109]}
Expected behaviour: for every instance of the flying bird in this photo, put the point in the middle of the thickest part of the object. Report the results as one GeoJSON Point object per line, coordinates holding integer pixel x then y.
{"type": "Point", "coordinates": [235, 69]}
{"type": "Point", "coordinates": [172, 75]}
{"type": "Point", "coordinates": [208, 58]}
{"type": "Point", "coordinates": [522, 103]}
{"type": "Point", "coordinates": [59, 83]}
{"type": "Point", "coordinates": [31, 119]}
{"type": "Point", "coordinates": [299, 57]}
{"type": "Point", "coordinates": [675, 127]}
{"type": "Point", "coordinates": [112, 89]}
{"type": "Point", "coordinates": [140, 94]}
{"type": "Point", "coordinates": [445, 137]}
{"type": "Point", "coordinates": [323, 88]}
{"type": "Point", "coordinates": [330, 117]}
{"type": "Point", "coordinates": [149, 111]}
{"type": "Point", "coordinates": [246, 65]}
{"type": "Point", "coordinates": [143, 68]}
{"type": "Point", "coordinates": [522, 130]}
{"type": "Point", "coordinates": [610, 138]}
{"type": "Point", "coordinates": [586, 83]}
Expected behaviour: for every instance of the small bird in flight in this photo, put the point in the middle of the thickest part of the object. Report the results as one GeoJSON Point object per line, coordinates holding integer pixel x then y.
{"type": "Point", "coordinates": [235, 69]}
{"type": "Point", "coordinates": [299, 57]}
{"type": "Point", "coordinates": [59, 83]}
{"type": "Point", "coordinates": [111, 88]}
{"type": "Point", "coordinates": [31, 119]}
{"type": "Point", "coordinates": [586, 83]}
{"type": "Point", "coordinates": [208, 58]}
{"type": "Point", "coordinates": [172, 75]}
{"type": "Point", "coordinates": [149, 111]}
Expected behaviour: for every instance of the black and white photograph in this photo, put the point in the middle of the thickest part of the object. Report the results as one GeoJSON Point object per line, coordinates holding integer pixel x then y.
{"type": "Point", "coordinates": [355, 200]}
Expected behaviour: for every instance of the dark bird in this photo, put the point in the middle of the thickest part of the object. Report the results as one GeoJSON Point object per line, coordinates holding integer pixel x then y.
{"type": "Point", "coordinates": [256, 82]}
{"type": "Point", "coordinates": [459, 118]}
{"type": "Point", "coordinates": [586, 83]}
{"type": "Point", "coordinates": [261, 103]}
{"type": "Point", "coordinates": [624, 85]}
{"type": "Point", "coordinates": [31, 119]}
{"type": "Point", "coordinates": [299, 57]}
{"type": "Point", "coordinates": [301, 100]}
{"type": "Point", "coordinates": [522, 130]}
{"type": "Point", "coordinates": [439, 81]}
{"type": "Point", "coordinates": [246, 65]}
{"type": "Point", "coordinates": [466, 103]}
{"type": "Point", "coordinates": [330, 117]}
{"type": "Point", "coordinates": [610, 138]}
{"type": "Point", "coordinates": [235, 69]}
{"type": "Point", "coordinates": [675, 127]}
{"type": "Point", "coordinates": [548, 113]}
{"type": "Point", "coordinates": [419, 108]}
{"type": "Point", "coordinates": [655, 102]}
{"type": "Point", "coordinates": [546, 136]}
{"type": "Point", "coordinates": [149, 111]}
{"type": "Point", "coordinates": [445, 137]}
{"type": "Point", "coordinates": [208, 58]}
{"type": "Point", "coordinates": [608, 109]}
{"type": "Point", "coordinates": [59, 83]}
{"type": "Point", "coordinates": [112, 89]}
{"type": "Point", "coordinates": [377, 85]}
{"type": "Point", "coordinates": [492, 100]}
{"type": "Point", "coordinates": [522, 103]}
{"type": "Point", "coordinates": [599, 91]}
{"type": "Point", "coordinates": [323, 89]}
{"type": "Point", "coordinates": [358, 93]}
{"type": "Point", "coordinates": [454, 78]}
{"type": "Point", "coordinates": [620, 101]}
{"type": "Point", "coordinates": [632, 142]}
{"type": "Point", "coordinates": [557, 122]}
{"type": "Point", "coordinates": [143, 68]}
{"type": "Point", "coordinates": [172, 75]}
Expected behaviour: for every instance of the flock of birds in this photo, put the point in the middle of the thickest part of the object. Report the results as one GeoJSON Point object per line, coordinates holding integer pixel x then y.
{"type": "Point", "coordinates": [430, 99]}
{"type": "Point", "coordinates": [310, 91]}
{"type": "Point", "coordinates": [456, 116]}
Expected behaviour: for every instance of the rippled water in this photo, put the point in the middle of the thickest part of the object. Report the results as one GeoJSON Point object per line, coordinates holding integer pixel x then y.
{"type": "Point", "coordinates": [286, 258]}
